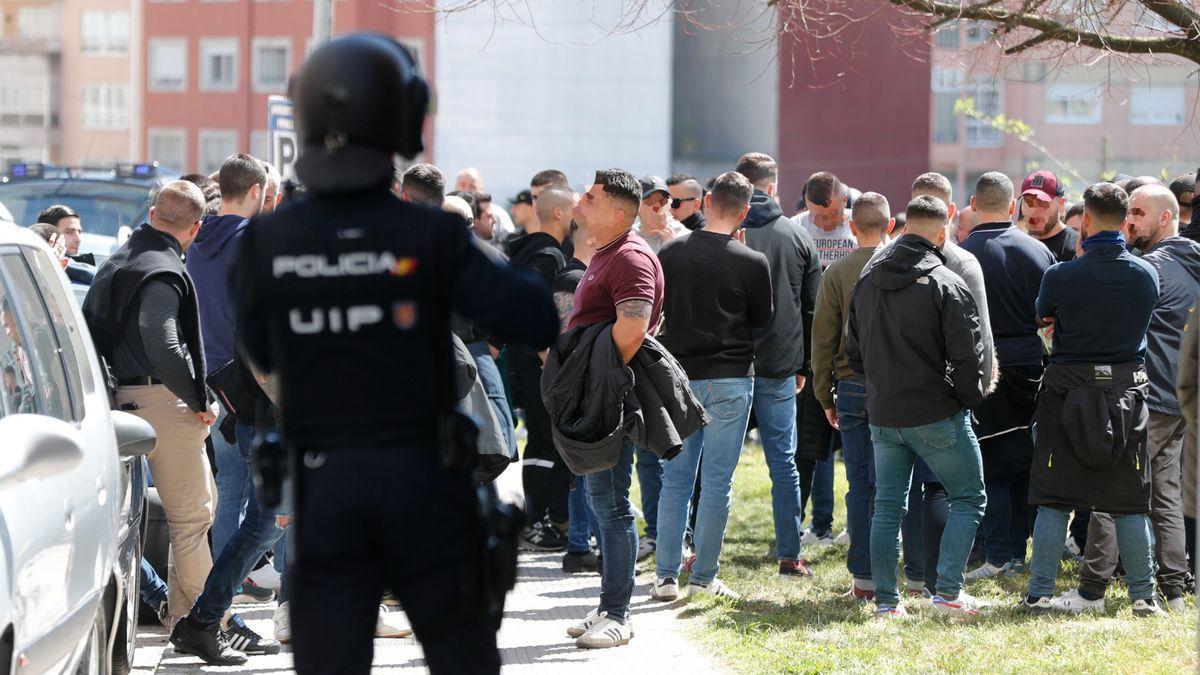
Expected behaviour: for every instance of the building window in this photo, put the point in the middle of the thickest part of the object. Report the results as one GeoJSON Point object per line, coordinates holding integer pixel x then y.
{"type": "Point", "coordinates": [216, 145]}
{"type": "Point", "coordinates": [218, 64]}
{"type": "Point", "coordinates": [37, 23]}
{"type": "Point", "coordinates": [168, 147]}
{"type": "Point", "coordinates": [272, 64]}
{"type": "Point", "coordinates": [946, 37]}
{"type": "Point", "coordinates": [105, 106]}
{"type": "Point", "coordinates": [168, 64]}
{"type": "Point", "coordinates": [105, 33]}
{"type": "Point", "coordinates": [1156, 104]}
{"type": "Point", "coordinates": [978, 32]}
{"type": "Point", "coordinates": [988, 94]}
{"type": "Point", "coordinates": [1072, 103]}
{"type": "Point", "coordinates": [946, 86]}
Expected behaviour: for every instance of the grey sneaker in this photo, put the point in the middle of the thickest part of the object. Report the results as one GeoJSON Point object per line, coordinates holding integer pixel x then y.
{"type": "Point", "coordinates": [1176, 604]}
{"type": "Point", "coordinates": [665, 589]}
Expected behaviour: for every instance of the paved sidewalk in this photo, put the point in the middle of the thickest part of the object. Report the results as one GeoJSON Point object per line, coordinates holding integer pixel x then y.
{"type": "Point", "coordinates": [533, 636]}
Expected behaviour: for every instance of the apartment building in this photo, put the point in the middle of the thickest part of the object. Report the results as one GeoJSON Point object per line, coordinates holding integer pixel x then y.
{"type": "Point", "coordinates": [30, 58]}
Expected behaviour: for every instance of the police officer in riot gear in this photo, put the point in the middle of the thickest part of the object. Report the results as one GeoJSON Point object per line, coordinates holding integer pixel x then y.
{"type": "Point", "coordinates": [344, 295]}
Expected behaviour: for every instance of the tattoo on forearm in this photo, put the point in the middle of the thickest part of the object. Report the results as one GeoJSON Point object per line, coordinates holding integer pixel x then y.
{"type": "Point", "coordinates": [635, 309]}
{"type": "Point", "coordinates": [565, 304]}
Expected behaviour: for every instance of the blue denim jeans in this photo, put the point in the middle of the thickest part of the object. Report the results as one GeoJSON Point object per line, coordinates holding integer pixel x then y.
{"type": "Point", "coordinates": [1005, 523]}
{"type": "Point", "coordinates": [493, 384]}
{"type": "Point", "coordinates": [820, 493]}
{"type": "Point", "coordinates": [257, 533]}
{"type": "Point", "coordinates": [151, 588]}
{"type": "Point", "coordinates": [775, 411]}
{"type": "Point", "coordinates": [234, 484]}
{"type": "Point", "coordinates": [608, 495]}
{"type": "Point", "coordinates": [858, 455]}
{"type": "Point", "coordinates": [951, 451]}
{"type": "Point", "coordinates": [649, 473]}
{"type": "Point", "coordinates": [718, 446]}
{"type": "Point", "coordinates": [1133, 541]}
{"type": "Point", "coordinates": [583, 522]}
{"type": "Point", "coordinates": [281, 564]}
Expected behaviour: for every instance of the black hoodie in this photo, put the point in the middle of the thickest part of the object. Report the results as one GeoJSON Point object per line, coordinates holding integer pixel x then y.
{"type": "Point", "coordinates": [539, 252]}
{"type": "Point", "coordinates": [781, 349]}
{"type": "Point", "coordinates": [1177, 261]}
{"type": "Point", "coordinates": [914, 335]}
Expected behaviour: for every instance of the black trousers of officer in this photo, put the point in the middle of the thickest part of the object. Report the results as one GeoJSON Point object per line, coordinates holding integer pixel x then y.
{"type": "Point", "coordinates": [370, 518]}
{"type": "Point", "coordinates": [544, 474]}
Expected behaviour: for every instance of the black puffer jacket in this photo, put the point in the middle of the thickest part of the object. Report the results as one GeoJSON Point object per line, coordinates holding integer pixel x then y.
{"type": "Point", "coordinates": [914, 335]}
{"type": "Point", "coordinates": [596, 402]}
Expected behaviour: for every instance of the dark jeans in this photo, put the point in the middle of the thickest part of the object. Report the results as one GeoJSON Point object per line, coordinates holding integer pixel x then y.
{"type": "Point", "coordinates": [649, 473]}
{"type": "Point", "coordinates": [608, 495]}
{"type": "Point", "coordinates": [935, 512]}
{"type": "Point", "coordinates": [352, 543]}
{"type": "Point", "coordinates": [1006, 521]}
{"type": "Point", "coordinates": [255, 536]}
{"type": "Point", "coordinates": [816, 484]}
{"type": "Point", "coordinates": [151, 588]}
{"type": "Point", "coordinates": [545, 476]}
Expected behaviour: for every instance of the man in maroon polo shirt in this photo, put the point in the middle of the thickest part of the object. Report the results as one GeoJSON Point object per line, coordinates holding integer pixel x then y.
{"type": "Point", "coordinates": [623, 283]}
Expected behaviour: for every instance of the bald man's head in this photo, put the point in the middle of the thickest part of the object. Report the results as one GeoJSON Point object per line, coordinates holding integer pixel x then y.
{"type": "Point", "coordinates": [554, 206]}
{"type": "Point", "coordinates": [177, 210]}
{"type": "Point", "coordinates": [1153, 216]}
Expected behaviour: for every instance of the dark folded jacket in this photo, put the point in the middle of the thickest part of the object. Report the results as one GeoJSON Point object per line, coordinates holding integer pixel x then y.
{"type": "Point", "coordinates": [1090, 451]}
{"type": "Point", "coordinates": [596, 402]}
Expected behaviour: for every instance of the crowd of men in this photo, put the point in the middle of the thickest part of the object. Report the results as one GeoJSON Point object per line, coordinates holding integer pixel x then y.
{"type": "Point", "coordinates": [986, 372]}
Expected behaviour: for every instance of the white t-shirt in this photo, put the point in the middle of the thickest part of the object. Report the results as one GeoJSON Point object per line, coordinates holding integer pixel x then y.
{"type": "Point", "coordinates": [832, 246]}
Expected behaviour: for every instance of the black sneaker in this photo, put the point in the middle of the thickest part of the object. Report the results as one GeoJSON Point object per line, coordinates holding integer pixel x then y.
{"type": "Point", "coordinates": [207, 643]}
{"type": "Point", "coordinates": [543, 536]}
{"type": "Point", "coordinates": [244, 640]}
{"type": "Point", "coordinates": [577, 563]}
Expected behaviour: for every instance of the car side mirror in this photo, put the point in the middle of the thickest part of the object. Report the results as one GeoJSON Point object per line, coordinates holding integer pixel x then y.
{"type": "Point", "coordinates": [37, 446]}
{"type": "Point", "coordinates": [135, 436]}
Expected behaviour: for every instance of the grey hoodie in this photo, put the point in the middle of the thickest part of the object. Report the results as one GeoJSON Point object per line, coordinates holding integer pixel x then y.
{"type": "Point", "coordinates": [781, 349]}
{"type": "Point", "coordinates": [1177, 261]}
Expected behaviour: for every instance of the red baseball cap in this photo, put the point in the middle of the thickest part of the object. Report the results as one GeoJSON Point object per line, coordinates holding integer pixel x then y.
{"type": "Point", "coordinates": [1043, 185]}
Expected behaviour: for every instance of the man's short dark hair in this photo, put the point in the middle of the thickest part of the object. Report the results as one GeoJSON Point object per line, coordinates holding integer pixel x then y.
{"type": "Point", "coordinates": [822, 188]}
{"type": "Point", "coordinates": [1107, 204]}
{"type": "Point", "coordinates": [549, 177]}
{"type": "Point", "coordinates": [759, 168]}
{"type": "Point", "coordinates": [199, 180]}
{"type": "Point", "coordinates": [424, 184]}
{"type": "Point", "coordinates": [731, 193]}
{"type": "Point", "coordinates": [45, 230]}
{"type": "Point", "coordinates": [871, 212]}
{"type": "Point", "coordinates": [993, 192]}
{"type": "Point", "coordinates": [933, 183]}
{"type": "Point", "coordinates": [238, 174]}
{"type": "Point", "coordinates": [53, 214]}
{"type": "Point", "coordinates": [1182, 184]}
{"type": "Point", "coordinates": [472, 200]}
{"type": "Point", "coordinates": [622, 187]}
{"type": "Point", "coordinates": [678, 178]}
{"type": "Point", "coordinates": [926, 207]}
{"type": "Point", "coordinates": [1073, 210]}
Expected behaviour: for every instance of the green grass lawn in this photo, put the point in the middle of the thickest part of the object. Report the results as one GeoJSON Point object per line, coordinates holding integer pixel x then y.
{"type": "Point", "coordinates": [806, 626]}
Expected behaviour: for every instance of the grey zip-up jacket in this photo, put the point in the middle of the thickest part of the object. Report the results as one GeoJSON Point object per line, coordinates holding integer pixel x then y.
{"type": "Point", "coordinates": [781, 349]}
{"type": "Point", "coordinates": [1177, 261]}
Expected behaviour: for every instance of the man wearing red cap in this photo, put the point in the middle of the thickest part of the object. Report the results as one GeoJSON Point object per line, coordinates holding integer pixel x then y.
{"type": "Point", "coordinates": [1042, 208]}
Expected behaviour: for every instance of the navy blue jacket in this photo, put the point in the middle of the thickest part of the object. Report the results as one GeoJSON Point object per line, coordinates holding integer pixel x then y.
{"type": "Point", "coordinates": [1101, 303]}
{"type": "Point", "coordinates": [1177, 261]}
{"type": "Point", "coordinates": [1013, 264]}
{"type": "Point", "coordinates": [208, 261]}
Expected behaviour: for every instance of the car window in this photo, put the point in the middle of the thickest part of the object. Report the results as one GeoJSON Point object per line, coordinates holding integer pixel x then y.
{"type": "Point", "coordinates": [16, 387]}
{"type": "Point", "coordinates": [70, 339]}
{"type": "Point", "coordinates": [103, 207]}
{"type": "Point", "coordinates": [37, 343]}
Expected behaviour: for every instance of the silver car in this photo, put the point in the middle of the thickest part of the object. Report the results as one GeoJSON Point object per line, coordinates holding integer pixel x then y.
{"type": "Point", "coordinates": [72, 490]}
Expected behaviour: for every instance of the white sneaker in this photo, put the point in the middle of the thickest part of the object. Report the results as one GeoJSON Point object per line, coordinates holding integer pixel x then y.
{"type": "Point", "coordinates": [963, 605]}
{"type": "Point", "coordinates": [1176, 604]}
{"type": "Point", "coordinates": [717, 588]}
{"type": "Point", "coordinates": [665, 589]}
{"type": "Point", "coordinates": [810, 538]}
{"type": "Point", "coordinates": [267, 577]}
{"type": "Point", "coordinates": [1147, 608]}
{"type": "Point", "coordinates": [604, 633]}
{"type": "Point", "coordinates": [843, 538]}
{"type": "Point", "coordinates": [583, 626]}
{"type": "Point", "coordinates": [392, 624]}
{"type": "Point", "coordinates": [283, 624]}
{"type": "Point", "coordinates": [646, 546]}
{"type": "Point", "coordinates": [1074, 603]}
{"type": "Point", "coordinates": [985, 571]}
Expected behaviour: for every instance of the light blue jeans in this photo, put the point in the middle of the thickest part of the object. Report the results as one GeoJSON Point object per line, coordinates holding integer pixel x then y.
{"type": "Point", "coordinates": [233, 482]}
{"type": "Point", "coordinates": [775, 411]}
{"type": "Point", "coordinates": [951, 451]}
{"type": "Point", "coordinates": [1133, 541]}
{"type": "Point", "coordinates": [718, 446]}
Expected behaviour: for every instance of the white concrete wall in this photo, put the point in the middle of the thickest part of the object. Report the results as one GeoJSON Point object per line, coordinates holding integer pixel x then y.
{"type": "Point", "coordinates": [515, 96]}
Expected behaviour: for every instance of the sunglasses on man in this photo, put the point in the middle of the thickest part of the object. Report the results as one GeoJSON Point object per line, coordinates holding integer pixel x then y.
{"type": "Point", "coordinates": [676, 203]}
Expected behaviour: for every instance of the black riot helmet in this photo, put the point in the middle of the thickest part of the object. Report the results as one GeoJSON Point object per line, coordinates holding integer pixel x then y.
{"type": "Point", "coordinates": [359, 100]}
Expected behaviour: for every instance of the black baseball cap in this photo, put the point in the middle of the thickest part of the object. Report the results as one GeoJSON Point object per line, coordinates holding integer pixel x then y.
{"type": "Point", "coordinates": [652, 184]}
{"type": "Point", "coordinates": [523, 197]}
